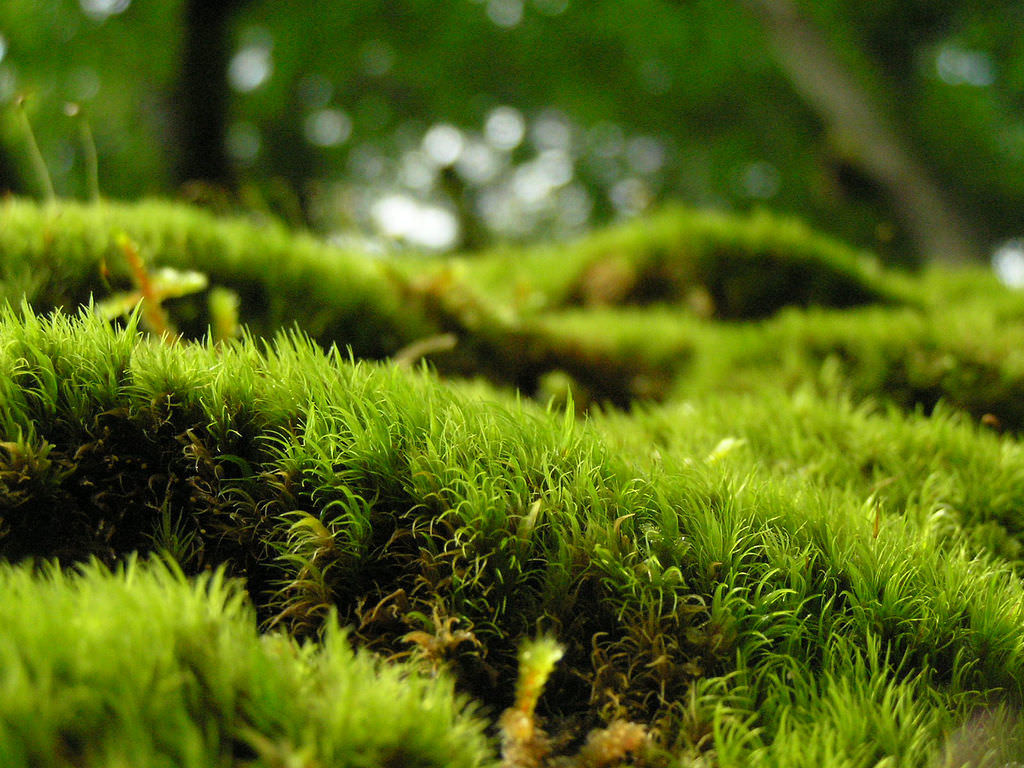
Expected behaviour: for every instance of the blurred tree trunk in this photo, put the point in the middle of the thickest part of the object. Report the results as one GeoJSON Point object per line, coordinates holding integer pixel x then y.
{"type": "Point", "coordinates": [202, 95]}
{"type": "Point", "coordinates": [10, 183]}
{"type": "Point", "coordinates": [929, 215]}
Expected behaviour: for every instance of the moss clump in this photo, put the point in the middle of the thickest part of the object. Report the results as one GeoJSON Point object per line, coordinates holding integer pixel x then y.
{"type": "Point", "coordinates": [495, 306]}
{"type": "Point", "coordinates": [692, 594]}
{"type": "Point", "coordinates": [56, 257]}
{"type": "Point", "coordinates": [721, 266]}
{"type": "Point", "coordinates": [141, 667]}
{"type": "Point", "coordinates": [913, 358]}
{"type": "Point", "coordinates": [510, 316]}
{"type": "Point", "coordinates": [808, 553]}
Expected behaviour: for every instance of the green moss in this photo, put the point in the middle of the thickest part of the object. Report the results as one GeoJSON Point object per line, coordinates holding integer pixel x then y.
{"type": "Point", "coordinates": [140, 667]}
{"type": "Point", "coordinates": [725, 266]}
{"type": "Point", "coordinates": [495, 305]}
{"type": "Point", "coordinates": [942, 469]}
{"type": "Point", "coordinates": [968, 358]}
{"type": "Point", "coordinates": [409, 508]}
{"type": "Point", "coordinates": [280, 277]}
{"type": "Point", "coordinates": [808, 553]}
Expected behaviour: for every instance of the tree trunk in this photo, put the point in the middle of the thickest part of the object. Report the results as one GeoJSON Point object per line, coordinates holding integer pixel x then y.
{"type": "Point", "coordinates": [202, 95]}
{"type": "Point", "coordinates": [930, 216]}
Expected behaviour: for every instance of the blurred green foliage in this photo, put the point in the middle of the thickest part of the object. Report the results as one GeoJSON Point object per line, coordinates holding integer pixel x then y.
{"type": "Point", "coordinates": [621, 104]}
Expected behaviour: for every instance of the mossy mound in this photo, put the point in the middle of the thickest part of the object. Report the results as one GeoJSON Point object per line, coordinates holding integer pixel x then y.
{"type": "Point", "coordinates": [142, 668]}
{"type": "Point", "coordinates": [720, 266]}
{"type": "Point", "coordinates": [495, 306]}
{"type": "Point", "coordinates": [59, 256]}
{"type": "Point", "coordinates": [690, 592]}
{"type": "Point", "coordinates": [808, 553]}
{"type": "Point", "coordinates": [523, 320]}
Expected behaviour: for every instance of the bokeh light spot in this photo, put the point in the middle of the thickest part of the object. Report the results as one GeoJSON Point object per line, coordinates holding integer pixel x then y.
{"type": "Point", "coordinates": [556, 165]}
{"type": "Point", "coordinates": [529, 184]}
{"type": "Point", "coordinates": [1008, 262]}
{"type": "Point", "coordinates": [478, 163]}
{"type": "Point", "coordinates": [400, 217]}
{"type": "Point", "coordinates": [394, 215]}
{"type": "Point", "coordinates": [251, 66]}
{"type": "Point", "coordinates": [533, 182]}
{"type": "Point", "coordinates": [505, 128]}
{"type": "Point", "coordinates": [505, 13]}
{"type": "Point", "coordinates": [101, 10]}
{"type": "Point", "coordinates": [503, 211]}
{"type": "Point", "coordinates": [328, 127]}
{"type": "Point", "coordinates": [443, 144]}
{"type": "Point", "coordinates": [417, 172]}
{"type": "Point", "coordinates": [630, 196]}
{"type": "Point", "coordinates": [551, 130]}
{"type": "Point", "coordinates": [959, 66]}
{"type": "Point", "coordinates": [575, 207]}
{"type": "Point", "coordinates": [645, 155]}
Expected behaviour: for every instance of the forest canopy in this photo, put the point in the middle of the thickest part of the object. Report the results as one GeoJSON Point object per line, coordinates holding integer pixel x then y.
{"type": "Point", "coordinates": [511, 383]}
{"type": "Point", "coordinates": [453, 124]}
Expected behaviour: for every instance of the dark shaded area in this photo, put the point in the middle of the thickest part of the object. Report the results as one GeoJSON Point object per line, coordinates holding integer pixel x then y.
{"type": "Point", "coordinates": [131, 482]}
{"type": "Point", "coordinates": [729, 285]}
{"type": "Point", "coordinates": [746, 289]}
{"type": "Point", "coordinates": [10, 183]}
{"type": "Point", "coordinates": [202, 97]}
